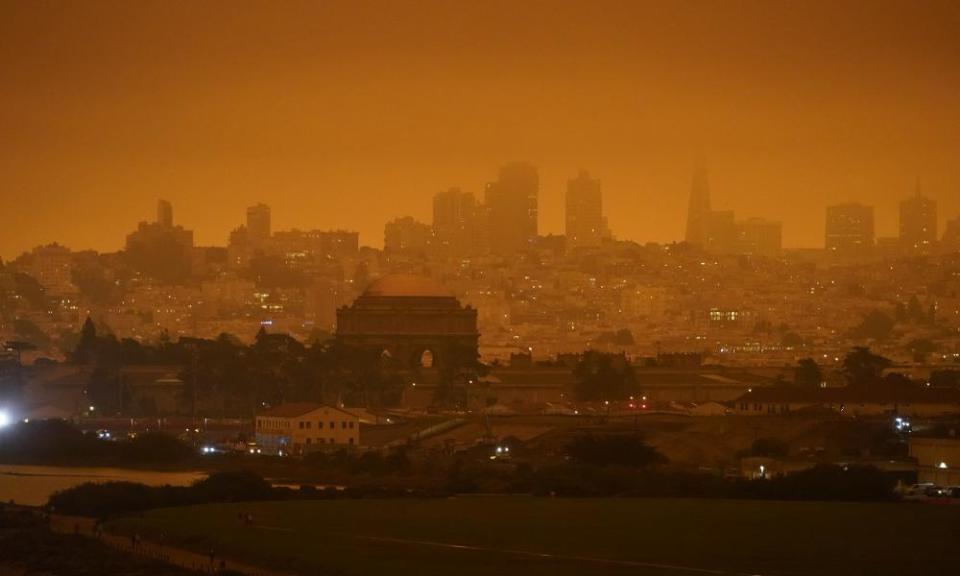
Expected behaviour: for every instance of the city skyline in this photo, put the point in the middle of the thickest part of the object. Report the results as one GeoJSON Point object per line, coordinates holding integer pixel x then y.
{"type": "Point", "coordinates": [262, 221]}
{"type": "Point", "coordinates": [155, 100]}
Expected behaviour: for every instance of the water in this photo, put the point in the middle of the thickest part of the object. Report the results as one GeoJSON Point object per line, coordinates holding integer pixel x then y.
{"type": "Point", "coordinates": [33, 485]}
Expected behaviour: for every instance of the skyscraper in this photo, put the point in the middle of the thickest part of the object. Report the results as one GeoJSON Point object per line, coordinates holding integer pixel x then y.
{"type": "Point", "coordinates": [258, 223]}
{"type": "Point", "coordinates": [698, 212]}
{"type": "Point", "coordinates": [951, 237]}
{"type": "Point", "coordinates": [406, 235]}
{"type": "Point", "coordinates": [584, 212]}
{"type": "Point", "coordinates": [159, 249]}
{"type": "Point", "coordinates": [164, 213]}
{"type": "Point", "coordinates": [849, 229]}
{"type": "Point", "coordinates": [918, 223]}
{"type": "Point", "coordinates": [760, 237]}
{"type": "Point", "coordinates": [455, 221]}
{"type": "Point", "coordinates": [720, 232]}
{"type": "Point", "coordinates": [511, 204]}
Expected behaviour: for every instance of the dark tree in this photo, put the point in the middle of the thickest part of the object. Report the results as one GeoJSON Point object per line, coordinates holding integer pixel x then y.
{"type": "Point", "coordinates": [876, 325]}
{"type": "Point", "coordinates": [86, 350]}
{"type": "Point", "coordinates": [613, 450]}
{"type": "Point", "coordinates": [862, 367]}
{"type": "Point", "coordinates": [601, 376]}
{"type": "Point", "coordinates": [808, 373]}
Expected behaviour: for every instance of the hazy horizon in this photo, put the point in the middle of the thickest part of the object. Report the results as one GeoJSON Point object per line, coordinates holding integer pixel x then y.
{"type": "Point", "coordinates": [349, 114]}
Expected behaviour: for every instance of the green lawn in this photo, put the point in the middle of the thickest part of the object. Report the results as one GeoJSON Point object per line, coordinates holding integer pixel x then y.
{"type": "Point", "coordinates": [589, 536]}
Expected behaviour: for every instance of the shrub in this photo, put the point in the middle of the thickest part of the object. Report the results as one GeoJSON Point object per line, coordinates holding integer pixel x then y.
{"type": "Point", "coordinates": [613, 450]}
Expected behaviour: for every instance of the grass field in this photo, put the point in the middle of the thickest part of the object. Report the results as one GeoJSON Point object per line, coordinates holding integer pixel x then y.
{"type": "Point", "coordinates": [502, 536]}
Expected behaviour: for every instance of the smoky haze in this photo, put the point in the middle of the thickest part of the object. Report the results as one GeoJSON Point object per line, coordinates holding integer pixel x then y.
{"type": "Point", "coordinates": [347, 114]}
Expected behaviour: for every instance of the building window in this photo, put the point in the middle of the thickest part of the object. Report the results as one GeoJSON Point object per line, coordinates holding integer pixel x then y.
{"type": "Point", "coordinates": [301, 425]}
{"type": "Point", "coordinates": [351, 424]}
{"type": "Point", "coordinates": [308, 424]}
{"type": "Point", "coordinates": [332, 424]}
{"type": "Point", "coordinates": [351, 439]}
{"type": "Point", "coordinates": [343, 425]}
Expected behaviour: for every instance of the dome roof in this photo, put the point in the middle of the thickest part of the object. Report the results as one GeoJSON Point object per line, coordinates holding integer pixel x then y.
{"type": "Point", "coordinates": [405, 286]}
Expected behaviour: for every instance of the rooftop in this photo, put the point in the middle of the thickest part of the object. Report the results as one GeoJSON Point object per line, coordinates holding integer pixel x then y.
{"type": "Point", "coordinates": [406, 286]}
{"type": "Point", "coordinates": [294, 409]}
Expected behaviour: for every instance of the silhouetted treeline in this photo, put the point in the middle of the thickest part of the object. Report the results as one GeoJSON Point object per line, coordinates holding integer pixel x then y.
{"type": "Point", "coordinates": [55, 442]}
{"type": "Point", "coordinates": [229, 378]}
{"type": "Point", "coordinates": [111, 498]}
{"type": "Point", "coordinates": [825, 482]}
{"type": "Point", "coordinates": [119, 498]}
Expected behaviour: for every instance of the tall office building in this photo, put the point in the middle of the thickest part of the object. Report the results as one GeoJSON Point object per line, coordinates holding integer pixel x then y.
{"type": "Point", "coordinates": [584, 212]}
{"type": "Point", "coordinates": [720, 232]}
{"type": "Point", "coordinates": [760, 237]}
{"type": "Point", "coordinates": [951, 237]}
{"type": "Point", "coordinates": [849, 229]}
{"type": "Point", "coordinates": [698, 211]}
{"type": "Point", "coordinates": [165, 213]}
{"type": "Point", "coordinates": [455, 219]}
{"type": "Point", "coordinates": [406, 235]}
{"type": "Point", "coordinates": [258, 223]}
{"type": "Point", "coordinates": [918, 223]}
{"type": "Point", "coordinates": [161, 250]}
{"type": "Point", "coordinates": [511, 208]}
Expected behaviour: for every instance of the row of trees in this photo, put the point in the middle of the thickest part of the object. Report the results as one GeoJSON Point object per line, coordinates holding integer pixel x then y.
{"type": "Point", "coordinates": [863, 368]}
{"type": "Point", "coordinates": [228, 377]}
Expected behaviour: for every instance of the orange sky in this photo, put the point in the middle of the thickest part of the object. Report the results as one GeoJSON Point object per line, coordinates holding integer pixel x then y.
{"type": "Point", "coordinates": [346, 114]}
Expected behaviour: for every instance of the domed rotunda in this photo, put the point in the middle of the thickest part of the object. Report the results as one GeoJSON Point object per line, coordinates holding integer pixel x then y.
{"type": "Point", "coordinates": [412, 319]}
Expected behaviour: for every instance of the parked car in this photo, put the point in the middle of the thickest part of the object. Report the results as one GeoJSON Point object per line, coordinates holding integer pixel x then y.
{"type": "Point", "coordinates": [919, 491]}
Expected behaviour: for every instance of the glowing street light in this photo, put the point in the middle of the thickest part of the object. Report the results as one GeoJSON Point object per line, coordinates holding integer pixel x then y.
{"type": "Point", "coordinates": [4, 419]}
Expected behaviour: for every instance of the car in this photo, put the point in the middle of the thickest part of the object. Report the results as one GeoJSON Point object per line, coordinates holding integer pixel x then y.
{"type": "Point", "coordinates": [936, 492]}
{"type": "Point", "coordinates": [918, 491]}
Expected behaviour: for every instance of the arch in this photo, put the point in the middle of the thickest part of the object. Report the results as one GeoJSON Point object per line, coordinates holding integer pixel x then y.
{"type": "Point", "coordinates": [427, 359]}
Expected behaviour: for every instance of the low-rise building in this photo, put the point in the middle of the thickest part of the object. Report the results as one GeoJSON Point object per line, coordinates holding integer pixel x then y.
{"type": "Point", "coordinates": [298, 428]}
{"type": "Point", "coordinates": [851, 401]}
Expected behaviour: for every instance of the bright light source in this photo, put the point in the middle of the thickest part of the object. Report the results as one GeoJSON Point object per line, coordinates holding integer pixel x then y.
{"type": "Point", "coordinates": [4, 419]}
{"type": "Point", "coordinates": [942, 465]}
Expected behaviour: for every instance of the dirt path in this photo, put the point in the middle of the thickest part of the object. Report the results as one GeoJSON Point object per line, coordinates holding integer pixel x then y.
{"type": "Point", "coordinates": [169, 554]}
